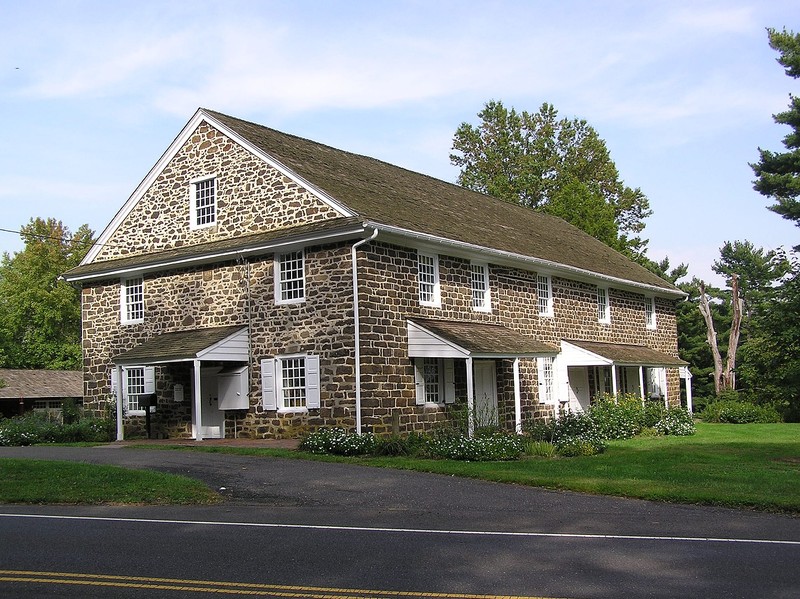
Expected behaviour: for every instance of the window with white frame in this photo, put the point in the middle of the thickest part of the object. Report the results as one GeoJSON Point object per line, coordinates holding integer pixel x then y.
{"type": "Point", "coordinates": [481, 299]}
{"type": "Point", "coordinates": [547, 392]}
{"type": "Point", "coordinates": [203, 203]}
{"type": "Point", "coordinates": [544, 293]}
{"type": "Point", "coordinates": [132, 300]}
{"type": "Point", "coordinates": [291, 383]}
{"type": "Point", "coordinates": [650, 312]}
{"type": "Point", "coordinates": [428, 276]}
{"type": "Point", "coordinates": [290, 278]}
{"type": "Point", "coordinates": [435, 380]}
{"type": "Point", "coordinates": [603, 306]}
{"type": "Point", "coordinates": [137, 382]}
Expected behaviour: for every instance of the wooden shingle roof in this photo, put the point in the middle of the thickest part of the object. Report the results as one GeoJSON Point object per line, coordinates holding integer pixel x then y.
{"type": "Point", "coordinates": [621, 353]}
{"type": "Point", "coordinates": [36, 384]}
{"type": "Point", "coordinates": [390, 195]}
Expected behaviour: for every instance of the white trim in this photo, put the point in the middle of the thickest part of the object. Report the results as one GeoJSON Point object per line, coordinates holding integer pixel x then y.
{"type": "Point", "coordinates": [123, 300]}
{"type": "Point", "coordinates": [278, 270]}
{"type": "Point", "coordinates": [461, 249]}
{"type": "Point", "coordinates": [177, 144]}
{"type": "Point", "coordinates": [286, 245]}
{"type": "Point", "coordinates": [548, 281]}
{"type": "Point", "coordinates": [650, 319]}
{"type": "Point", "coordinates": [604, 304]}
{"type": "Point", "coordinates": [487, 291]}
{"type": "Point", "coordinates": [193, 225]}
{"type": "Point", "coordinates": [436, 299]}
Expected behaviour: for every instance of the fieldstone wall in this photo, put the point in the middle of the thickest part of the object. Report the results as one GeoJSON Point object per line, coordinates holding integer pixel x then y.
{"type": "Point", "coordinates": [251, 197]}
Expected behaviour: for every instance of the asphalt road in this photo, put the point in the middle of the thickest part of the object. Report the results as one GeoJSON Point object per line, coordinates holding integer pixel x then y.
{"type": "Point", "coordinates": [340, 530]}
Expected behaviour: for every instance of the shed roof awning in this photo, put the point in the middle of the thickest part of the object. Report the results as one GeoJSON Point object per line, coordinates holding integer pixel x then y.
{"type": "Point", "coordinates": [226, 344]}
{"type": "Point", "coordinates": [621, 354]}
{"type": "Point", "coordinates": [458, 339]}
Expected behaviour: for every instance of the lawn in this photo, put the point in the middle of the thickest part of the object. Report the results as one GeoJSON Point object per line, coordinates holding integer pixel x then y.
{"type": "Point", "coordinates": [743, 465]}
{"type": "Point", "coordinates": [41, 481]}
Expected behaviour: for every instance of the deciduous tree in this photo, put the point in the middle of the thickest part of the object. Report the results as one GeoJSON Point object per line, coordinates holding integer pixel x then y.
{"type": "Point", "coordinates": [40, 315]}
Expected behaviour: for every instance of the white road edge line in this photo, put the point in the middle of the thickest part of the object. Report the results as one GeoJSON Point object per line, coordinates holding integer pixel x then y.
{"type": "Point", "coordinates": [485, 533]}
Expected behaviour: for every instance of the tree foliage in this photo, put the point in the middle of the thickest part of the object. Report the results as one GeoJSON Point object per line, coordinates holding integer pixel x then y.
{"type": "Point", "coordinates": [778, 173]}
{"type": "Point", "coordinates": [40, 315]}
{"type": "Point", "coordinates": [558, 166]}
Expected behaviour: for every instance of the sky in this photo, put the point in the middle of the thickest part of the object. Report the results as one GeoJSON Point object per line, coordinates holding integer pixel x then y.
{"type": "Point", "coordinates": [93, 92]}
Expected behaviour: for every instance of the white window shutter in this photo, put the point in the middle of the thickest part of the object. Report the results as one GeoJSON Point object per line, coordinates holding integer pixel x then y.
{"type": "Point", "coordinates": [149, 380]}
{"type": "Point", "coordinates": [312, 382]}
{"type": "Point", "coordinates": [449, 381]}
{"type": "Point", "coordinates": [419, 381]}
{"type": "Point", "coordinates": [268, 396]}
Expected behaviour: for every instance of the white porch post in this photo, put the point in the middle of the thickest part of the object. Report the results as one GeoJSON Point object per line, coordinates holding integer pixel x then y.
{"type": "Point", "coordinates": [517, 398]}
{"type": "Point", "coordinates": [688, 380]}
{"type": "Point", "coordinates": [641, 382]}
{"type": "Point", "coordinates": [198, 403]}
{"type": "Point", "coordinates": [614, 379]}
{"type": "Point", "coordinates": [470, 398]}
{"type": "Point", "coordinates": [120, 427]}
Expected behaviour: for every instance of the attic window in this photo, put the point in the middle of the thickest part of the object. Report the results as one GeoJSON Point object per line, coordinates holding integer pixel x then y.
{"type": "Point", "coordinates": [203, 203]}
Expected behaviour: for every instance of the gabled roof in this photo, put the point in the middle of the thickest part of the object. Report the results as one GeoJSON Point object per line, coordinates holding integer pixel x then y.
{"type": "Point", "coordinates": [27, 384]}
{"type": "Point", "coordinates": [404, 203]}
{"type": "Point", "coordinates": [627, 354]}
{"type": "Point", "coordinates": [225, 343]}
{"type": "Point", "coordinates": [393, 196]}
{"type": "Point", "coordinates": [452, 338]}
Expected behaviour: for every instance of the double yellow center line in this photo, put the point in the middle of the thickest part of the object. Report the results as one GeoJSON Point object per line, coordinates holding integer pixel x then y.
{"type": "Point", "coordinates": [229, 588]}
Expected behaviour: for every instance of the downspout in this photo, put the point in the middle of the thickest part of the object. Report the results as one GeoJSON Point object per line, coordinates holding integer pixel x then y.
{"type": "Point", "coordinates": [357, 327]}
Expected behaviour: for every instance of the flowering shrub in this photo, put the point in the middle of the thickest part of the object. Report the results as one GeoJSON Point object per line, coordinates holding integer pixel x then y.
{"type": "Point", "coordinates": [618, 417]}
{"type": "Point", "coordinates": [676, 421]}
{"type": "Point", "coordinates": [337, 441]}
{"type": "Point", "coordinates": [475, 449]}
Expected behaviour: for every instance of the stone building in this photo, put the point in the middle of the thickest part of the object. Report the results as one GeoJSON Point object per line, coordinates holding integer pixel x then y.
{"type": "Point", "coordinates": [258, 284]}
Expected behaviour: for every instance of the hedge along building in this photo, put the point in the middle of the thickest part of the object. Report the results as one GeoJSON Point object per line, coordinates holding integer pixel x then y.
{"type": "Point", "coordinates": [259, 284]}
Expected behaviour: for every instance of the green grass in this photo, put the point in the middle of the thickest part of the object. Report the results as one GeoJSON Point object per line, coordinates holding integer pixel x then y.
{"type": "Point", "coordinates": [745, 466]}
{"type": "Point", "coordinates": [41, 481]}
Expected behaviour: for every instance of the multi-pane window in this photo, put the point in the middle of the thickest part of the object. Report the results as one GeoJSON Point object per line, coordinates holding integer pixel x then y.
{"type": "Point", "coordinates": [546, 386]}
{"type": "Point", "coordinates": [650, 312]}
{"type": "Point", "coordinates": [603, 305]}
{"type": "Point", "coordinates": [204, 203]}
{"type": "Point", "coordinates": [290, 284]}
{"type": "Point", "coordinates": [293, 382]}
{"type": "Point", "coordinates": [134, 387]}
{"type": "Point", "coordinates": [431, 376]}
{"type": "Point", "coordinates": [544, 292]}
{"type": "Point", "coordinates": [480, 287]}
{"type": "Point", "coordinates": [132, 300]}
{"type": "Point", "coordinates": [428, 273]}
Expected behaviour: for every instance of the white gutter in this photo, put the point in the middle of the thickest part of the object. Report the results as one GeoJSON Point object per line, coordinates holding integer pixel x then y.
{"type": "Point", "coordinates": [357, 327]}
{"type": "Point", "coordinates": [548, 265]}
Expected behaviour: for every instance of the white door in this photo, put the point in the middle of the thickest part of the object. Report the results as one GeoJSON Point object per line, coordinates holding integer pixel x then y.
{"type": "Point", "coordinates": [485, 393]}
{"type": "Point", "coordinates": [212, 419]}
{"type": "Point", "coordinates": [578, 387]}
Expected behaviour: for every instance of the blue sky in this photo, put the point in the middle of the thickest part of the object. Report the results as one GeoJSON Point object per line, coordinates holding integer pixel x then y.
{"type": "Point", "coordinates": [92, 93]}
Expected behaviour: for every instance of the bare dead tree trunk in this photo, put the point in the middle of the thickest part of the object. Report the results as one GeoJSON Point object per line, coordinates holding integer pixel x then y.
{"type": "Point", "coordinates": [737, 305]}
{"type": "Point", "coordinates": [724, 378]}
{"type": "Point", "coordinates": [711, 337]}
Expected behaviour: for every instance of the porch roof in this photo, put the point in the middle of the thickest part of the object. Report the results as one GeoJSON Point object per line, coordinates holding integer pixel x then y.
{"type": "Point", "coordinates": [626, 354]}
{"type": "Point", "coordinates": [227, 344]}
{"type": "Point", "coordinates": [458, 339]}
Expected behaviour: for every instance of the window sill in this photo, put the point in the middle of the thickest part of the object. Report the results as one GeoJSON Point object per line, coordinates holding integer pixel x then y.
{"type": "Point", "coordinates": [292, 410]}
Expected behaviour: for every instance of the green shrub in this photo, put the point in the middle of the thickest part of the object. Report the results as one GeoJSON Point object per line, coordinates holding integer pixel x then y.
{"type": "Point", "coordinates": [70, 413]}
{"type": "Point", "coordinates": [337, 441]}
{"type": "Point", "coordinates": [618, 417]}
{"type": "Point", "coordinates": [541, 449]}
{"type": "Point", "coordinates": [33, 428]}
{"type": "Point", "coordinates": [475, 449]}
{"type": "Point", "coordinates": [399, 446]}
{"type": "Point", "coordinates": [739, 412]}
{"type": "Point", "coordinates": [575, 447]}
{"type": "Point", "coordinates": [572, 428]}
{"type": "Point", "coordinates": [676, 421]}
